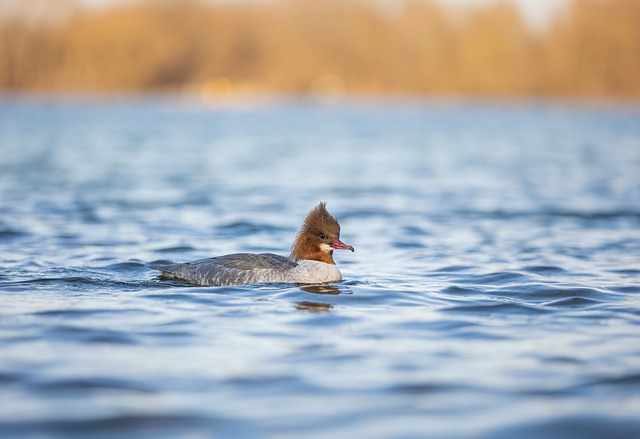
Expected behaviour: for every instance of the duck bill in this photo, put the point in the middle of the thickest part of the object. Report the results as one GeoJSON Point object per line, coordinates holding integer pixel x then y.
{"type": "Point", "coordinates": [339, 245]}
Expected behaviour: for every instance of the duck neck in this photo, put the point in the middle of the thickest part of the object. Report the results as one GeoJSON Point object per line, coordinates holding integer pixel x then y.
{"type": "Point", "coordinates": [303, 249]}
{"type": "Point", "coordinates": [326, 257]}
{"type": "Point", "coordinates": [320, 256]}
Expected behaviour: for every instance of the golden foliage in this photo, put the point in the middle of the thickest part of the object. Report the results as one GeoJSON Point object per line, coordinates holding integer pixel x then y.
{"type": "Point", "coordinates": [306, 46]}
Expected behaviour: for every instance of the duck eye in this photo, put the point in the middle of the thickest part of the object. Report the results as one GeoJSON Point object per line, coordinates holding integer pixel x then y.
{"type": "Point", "coordinates": [322, 236]}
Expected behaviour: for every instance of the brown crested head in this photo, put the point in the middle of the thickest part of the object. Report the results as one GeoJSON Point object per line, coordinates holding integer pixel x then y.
{"type": "Point", "coordinates": [318, 237]}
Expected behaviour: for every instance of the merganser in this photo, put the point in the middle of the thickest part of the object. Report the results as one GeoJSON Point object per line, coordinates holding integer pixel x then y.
{"type": "Point", "coordinates": [310, 262]}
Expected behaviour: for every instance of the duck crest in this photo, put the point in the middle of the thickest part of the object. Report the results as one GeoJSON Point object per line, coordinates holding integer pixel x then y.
{"type": "Point", "coordinates": [309, 239]}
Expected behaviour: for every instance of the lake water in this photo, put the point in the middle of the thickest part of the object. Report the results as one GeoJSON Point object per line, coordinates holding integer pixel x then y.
{"type": "Point", "coordinates": [494, 290]}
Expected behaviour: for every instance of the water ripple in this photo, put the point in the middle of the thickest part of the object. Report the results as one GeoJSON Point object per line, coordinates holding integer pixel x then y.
{"type": "Point", "coordinates": [156, 425]}
{"type": "Point", "coordinates": [95, 384]}
{"type": "Point", "coordinates": [89, 335]}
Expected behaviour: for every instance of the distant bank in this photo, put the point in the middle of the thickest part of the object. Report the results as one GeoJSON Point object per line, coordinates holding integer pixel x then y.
{"type": "Point", "coordinates": [327, 48]}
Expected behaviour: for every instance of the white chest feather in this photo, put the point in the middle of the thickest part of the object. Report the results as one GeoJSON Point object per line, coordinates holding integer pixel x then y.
{"type": "Point", "coordinates": [311, 272]}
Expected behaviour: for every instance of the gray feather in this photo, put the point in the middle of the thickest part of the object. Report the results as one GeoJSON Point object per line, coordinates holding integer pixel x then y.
{"type": "Point", "coordinates": [234, 269]}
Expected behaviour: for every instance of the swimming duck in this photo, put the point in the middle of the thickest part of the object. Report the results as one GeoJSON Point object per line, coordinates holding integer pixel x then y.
{"type": "Point", "coordinates": [310, 262]}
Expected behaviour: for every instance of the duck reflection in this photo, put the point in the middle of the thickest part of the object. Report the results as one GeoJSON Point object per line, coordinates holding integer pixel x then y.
{"type": "Point", "coordinates": [314, 307]}
{"type": "Point", "coordinates": [320, 289]}
{"type": "Point", "coordinates": [317, 307]}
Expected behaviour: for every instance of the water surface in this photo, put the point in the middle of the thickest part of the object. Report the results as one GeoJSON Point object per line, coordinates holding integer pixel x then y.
{"type": "Point", "coordinates": [494, 291]}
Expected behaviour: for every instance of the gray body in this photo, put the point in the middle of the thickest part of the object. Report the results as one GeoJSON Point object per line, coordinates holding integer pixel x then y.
{"type": "Point", "coordinates": [247, 268]}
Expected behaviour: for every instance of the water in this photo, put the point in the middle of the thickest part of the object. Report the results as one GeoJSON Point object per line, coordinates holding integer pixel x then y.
{"type": "Point", "coordinates": [494, 291]}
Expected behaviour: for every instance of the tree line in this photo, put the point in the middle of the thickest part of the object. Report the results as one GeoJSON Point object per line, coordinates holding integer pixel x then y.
{"type": "Point", "coordinates": [591, 48]}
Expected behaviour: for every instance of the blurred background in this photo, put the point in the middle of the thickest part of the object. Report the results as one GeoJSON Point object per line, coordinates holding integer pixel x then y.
{"type": "Point", "coordinates": [324, 48]}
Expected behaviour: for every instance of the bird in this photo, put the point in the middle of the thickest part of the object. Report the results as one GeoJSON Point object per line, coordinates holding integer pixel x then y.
{"type": "Point", "coordinates": [310, 261]}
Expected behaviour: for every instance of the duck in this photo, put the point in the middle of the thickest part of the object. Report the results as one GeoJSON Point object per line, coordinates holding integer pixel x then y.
{"type": "Point", "coordinates": [310, 261]}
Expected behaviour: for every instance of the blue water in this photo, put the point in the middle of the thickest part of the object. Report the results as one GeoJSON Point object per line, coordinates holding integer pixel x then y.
{"type": "Point", "coordinates": [494, 291]}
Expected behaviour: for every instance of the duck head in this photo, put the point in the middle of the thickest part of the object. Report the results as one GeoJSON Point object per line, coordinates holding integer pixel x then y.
{"type": "Point", "coordinates": [318, 237]}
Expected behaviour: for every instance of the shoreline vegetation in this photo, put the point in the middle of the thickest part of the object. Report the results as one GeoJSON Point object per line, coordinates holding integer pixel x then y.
{"type": "Point", "coordinates": [323, 48]}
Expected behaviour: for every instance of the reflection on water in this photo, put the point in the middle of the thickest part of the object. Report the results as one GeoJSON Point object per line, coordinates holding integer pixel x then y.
{"type": "Point", "coordinates": [325, 289]}
{"type": "Point", "coordinates": [313, 306]}
{"type": "Point", "coordinates": [495, 291]}
{"type": "Point", "coordinates": [320, 289]}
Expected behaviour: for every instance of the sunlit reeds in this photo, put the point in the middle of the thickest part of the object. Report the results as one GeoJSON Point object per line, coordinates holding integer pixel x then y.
{"type": "Point", "coordinates": [327, 47]}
